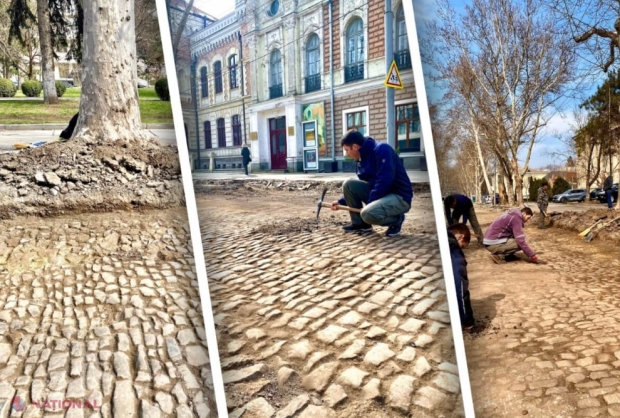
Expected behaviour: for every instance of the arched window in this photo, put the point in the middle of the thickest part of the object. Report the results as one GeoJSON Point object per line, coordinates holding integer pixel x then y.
{"type": "Point", "coordinates": [236, 128]}
{"type": "Point", "coordinates": [208, 143]}
{"type": "Point", "coordinates": [313, 63]}
{"type": "Point", "coordinates": [221, 133]}
{"type": "Point", "coordinates": [204, 86]}
{"type": "Point", "coordinates": [275, 74]}
{"type": "Point", "coordinates": [401, 30]}
{"type": "Point", "coordinates": [402, 55]}
{"type": "Point", "coordinates": [232, 66]}
{"type": "Point", "coordinates": [355, 50]}
{"type": "Point", "coordinates": [217, 73]}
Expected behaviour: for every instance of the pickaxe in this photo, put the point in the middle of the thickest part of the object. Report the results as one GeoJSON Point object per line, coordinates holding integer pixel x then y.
{"type": "Point", "coordinates": [321, 204]}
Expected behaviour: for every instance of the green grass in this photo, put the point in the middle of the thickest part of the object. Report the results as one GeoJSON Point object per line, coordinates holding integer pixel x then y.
{"type": "Point", "coordinates": [19, 112]}
{"type": "Point", "coordinates": [72, 92]}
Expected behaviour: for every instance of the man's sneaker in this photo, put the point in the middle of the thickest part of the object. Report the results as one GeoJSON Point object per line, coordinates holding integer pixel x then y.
{"type": "Point", "coordinates": [497, 259]}
{"type": "Point", "coordinates": [395, 228]}
{"type": "Point", "coordinates": [363, 227]}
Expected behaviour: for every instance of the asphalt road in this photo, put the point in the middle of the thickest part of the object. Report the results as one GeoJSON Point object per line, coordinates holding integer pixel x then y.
{"type": "Point", "coordinates": [8, 138]}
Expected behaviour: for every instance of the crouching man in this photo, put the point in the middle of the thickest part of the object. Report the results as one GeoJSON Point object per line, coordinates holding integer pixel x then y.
{"type": "Point", "coordinates": [382, 185]}
{"type": "Point", "coordinates": [505, 237]}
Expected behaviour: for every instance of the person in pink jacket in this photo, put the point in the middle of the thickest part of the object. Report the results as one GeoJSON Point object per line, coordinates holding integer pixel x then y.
{"type": "Point", "coordinates": [505, 237]}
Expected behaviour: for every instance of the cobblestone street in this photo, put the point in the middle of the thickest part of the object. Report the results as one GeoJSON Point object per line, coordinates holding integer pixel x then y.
{"type": "Point", "coordinates": [551, 345]}
{"type": "Point", "coordinates": [101, 310]}
{"type": "Point", "coordinates": [315, 323]}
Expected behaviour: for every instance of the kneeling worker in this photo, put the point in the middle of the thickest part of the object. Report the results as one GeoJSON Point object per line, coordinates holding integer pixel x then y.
{"type": "Point", "coordinates": [505, 237]}
{"type": "Point", "coordinates": [382, 185]}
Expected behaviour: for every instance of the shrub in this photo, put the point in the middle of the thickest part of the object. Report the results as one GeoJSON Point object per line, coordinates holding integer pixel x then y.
{"type": "Point", "coordinates": [61, 88]}
{"type": "Point", "coordinates": [7, 88]}
{"type": "Point", "coordinates": [560, 186]}
{"type": "Point", "coordinates": [31, 88]}
{"type": "Point", "coordinates": [161, 88]}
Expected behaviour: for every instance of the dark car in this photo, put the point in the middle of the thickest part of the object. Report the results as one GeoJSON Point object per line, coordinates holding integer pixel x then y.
{"type": "Point", "coordinates": [572, 195]}
{"type": "Point", "coordinates": [614, 194]}
{"type": "Point", "coordinates": [594, 193]}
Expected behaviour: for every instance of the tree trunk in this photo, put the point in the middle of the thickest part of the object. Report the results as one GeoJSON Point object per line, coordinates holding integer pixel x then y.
{"type": "Point", "coordinates": [109, 108]}
{"type": "Point", "coordinates": [45, 40]}
{"type": "Point", "coordinates": [181, 28]}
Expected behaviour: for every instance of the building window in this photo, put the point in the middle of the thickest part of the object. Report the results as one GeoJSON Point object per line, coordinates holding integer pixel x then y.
{"type": "Point", "coordinates": [221, 133]}
{"type": "Point", "coordinates": [354, 69]}
{"type": "Point", "coordinates": [236, 128]}
{"type": "Point", "coordinates": [402, 55]}
{"type": "Point", "coordinates": [357, 121]}
{"type": "Point", "coordinates": [313, 64]}
{"type": "Point", "coordinates": [408, 128]}
{"type": "Point", "coordinates": [232, 66]}
{"type": "Point", "coordinates": [275, 74]}
{"type": "Point", "coordinates": [274, 7]}
{"type": "Point", "coordinates": [208, 143]}
{"type": "Point", "coordinates": [204, 86]}
{"type": "Point", "coordinates": [217, 73]}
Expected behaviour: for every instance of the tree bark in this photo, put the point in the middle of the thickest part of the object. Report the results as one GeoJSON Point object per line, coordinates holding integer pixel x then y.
{"type": "Point", "coordinates": [109, 107]}
{"type": "Point", "coordinates": [47, 55]}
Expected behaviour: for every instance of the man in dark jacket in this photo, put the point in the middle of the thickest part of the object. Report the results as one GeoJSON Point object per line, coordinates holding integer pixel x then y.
{"type": "Point", "coordinates": [245, 153]}
{"type": "Point", "coordinates": [382, 185]}
{"type": "Point", "coordinates": [457, 206]}
{"type": "Point", "coordinates": [458, 238]}
{"type": "Point", "coordinates": [607, 187]}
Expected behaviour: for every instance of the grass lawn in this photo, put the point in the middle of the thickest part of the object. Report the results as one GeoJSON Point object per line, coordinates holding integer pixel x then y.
{"type": "Point", "coordinates": [30, 111]}
{"type": "Point", "coordinates": [144, 93]}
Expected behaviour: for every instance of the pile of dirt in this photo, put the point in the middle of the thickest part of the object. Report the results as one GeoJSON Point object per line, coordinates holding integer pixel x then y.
{"type": "Point", "coordinates": [254, 187]}
{"type": "Point", "coordinates": [579, 221]}
{"type": "Point", "coordinates": [62, 177]}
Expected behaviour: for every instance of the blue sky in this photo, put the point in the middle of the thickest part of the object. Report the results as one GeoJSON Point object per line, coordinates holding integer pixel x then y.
{"type": "Point", "coordinates": [560, 124]}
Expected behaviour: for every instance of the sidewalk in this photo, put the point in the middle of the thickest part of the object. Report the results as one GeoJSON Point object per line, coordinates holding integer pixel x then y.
{"type": "Point", "coordinates": [414, 176]}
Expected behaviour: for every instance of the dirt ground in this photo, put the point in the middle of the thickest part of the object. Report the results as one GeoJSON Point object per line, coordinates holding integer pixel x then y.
{"type": "Point", "coordinates": [549, 345]}
{"type": "Point", "coordinates": [312, 322]}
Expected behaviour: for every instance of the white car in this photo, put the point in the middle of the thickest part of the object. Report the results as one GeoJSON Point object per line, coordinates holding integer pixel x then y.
{"type": "Point", "coordinates": [142, 83]}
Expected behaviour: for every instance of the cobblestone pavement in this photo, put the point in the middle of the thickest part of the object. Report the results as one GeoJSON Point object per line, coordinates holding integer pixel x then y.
{"type": "Point", "coordinates": [101, 311]}
{"type": "Point", "coordinates": [319, 324]}
{"type": "Point", "coordinates": [552, 343]}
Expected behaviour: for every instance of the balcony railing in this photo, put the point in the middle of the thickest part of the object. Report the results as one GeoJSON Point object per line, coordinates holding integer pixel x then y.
{"type": "Point", "coordinates": [403, 60]}
{"type": "Point", "coordinates": [313, 83]}
{"type": "Point", "coordinates": [353, 72]}
{"type": "Point", "coordinates": [275, 91]}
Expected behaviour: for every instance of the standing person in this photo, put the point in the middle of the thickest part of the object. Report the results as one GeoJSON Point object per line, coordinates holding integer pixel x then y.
{"type": "Point", "coordinates": [382, 185]}
{"type": "Point", "coordinates": [457, 206]}
{"type": "Point", "coordinates": [607, 186]}
{"type": "Point", "coordinates": [543, 203]}
{"type": "Point", "coordinates": [505, 237]}
{"type": "Point", "coordinates": [245, 153]}
{"type": "Point", "coordinates": [458, 238]}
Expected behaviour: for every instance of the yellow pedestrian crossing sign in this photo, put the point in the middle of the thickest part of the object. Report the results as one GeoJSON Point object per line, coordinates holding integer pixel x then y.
{"type": "Point", "coordinates": [393, 78]}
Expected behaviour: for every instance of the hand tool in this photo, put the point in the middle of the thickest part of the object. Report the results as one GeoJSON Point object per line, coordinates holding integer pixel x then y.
{"type": "Point", "coordinates": [321, 204]}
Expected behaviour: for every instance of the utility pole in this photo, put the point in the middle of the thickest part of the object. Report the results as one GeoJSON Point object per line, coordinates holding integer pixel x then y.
{"type": "Point", "coordinates": [389, 57]}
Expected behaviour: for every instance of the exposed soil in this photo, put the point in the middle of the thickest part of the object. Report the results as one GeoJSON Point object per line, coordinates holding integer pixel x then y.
{"type": "Point", "coordinates": [77, 176]}
{"type": "Point", "coordinates": [606, 230]}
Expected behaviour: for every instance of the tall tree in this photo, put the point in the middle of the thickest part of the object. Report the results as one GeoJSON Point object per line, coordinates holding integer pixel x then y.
{"type": "Point", "coordinates": [109, 108]}
{"type": "Point", "coordinates": [47, 53]}
{"type": "Point", "coordinates": [517, 61]}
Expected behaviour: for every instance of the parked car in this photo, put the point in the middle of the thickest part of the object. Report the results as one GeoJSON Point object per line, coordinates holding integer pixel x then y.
{"type": "Point", "coordinates": [614, 194]}
{"type": "Point", "coordinates": [572, 195]}
{"type": "Point", "coordinates": [142, 83]}
{"type": "Point", "coordinates": [594, 193]}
